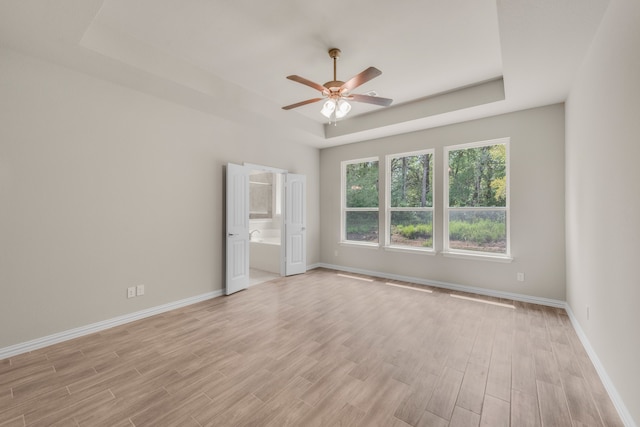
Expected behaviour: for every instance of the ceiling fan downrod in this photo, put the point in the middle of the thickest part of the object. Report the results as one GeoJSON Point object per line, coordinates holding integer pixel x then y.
{"type": "Point", "coordinates": [335, 54]}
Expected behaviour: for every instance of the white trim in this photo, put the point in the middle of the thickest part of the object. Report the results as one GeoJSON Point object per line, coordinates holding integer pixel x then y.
{"type": "Point", "coordinates": [313, 266]}
{"type": "Point", "coordinates": [364, 279]}
{"type": "Point", "coordinates": [356, 244]}
{"type": "Point", "coordinates": [413, 288]}
{"type": "Point", "coordinates": [478, 208]}
{"type": "Point", "coordinates": [264, 168]}
{"type": "Point", "coordinates": [453, 286]}
{"type": "Point", "coordinates": [361, 209]}
{"type": "Point", "coordinates": [410, 250]}
{"type": "Point", "coordinates": [59, 337]}
{"type": "Point", "coordinates": [362, 160]}
{"type": "Point", "coordinates": [484, 301]}
{"type": "Point", "coordinates": [479, 256]}
{"type": "Point", "coordinates": [478, 144]}
{"type": "Point", "coordinates": [412, 209]}
{"type": "Point", "coordinates": [602, 373]}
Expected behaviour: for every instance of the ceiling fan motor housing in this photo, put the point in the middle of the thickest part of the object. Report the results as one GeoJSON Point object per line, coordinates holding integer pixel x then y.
{"type": "Point", "coordinates": [333, 85]}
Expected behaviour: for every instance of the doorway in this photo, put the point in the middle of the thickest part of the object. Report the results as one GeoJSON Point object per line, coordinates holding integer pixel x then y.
{"type": "Point", "coordinates": [275, 223]}
{"type": "Point", "coordinates": [265, 225]}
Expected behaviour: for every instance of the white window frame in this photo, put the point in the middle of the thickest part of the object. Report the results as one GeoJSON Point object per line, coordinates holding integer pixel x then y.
{"type": "Point", "coordinates": [389, 208]}
{"type": "Point", "coordinates": [460, 253]}
{"type": "Point", "coordinates": [343, 203]}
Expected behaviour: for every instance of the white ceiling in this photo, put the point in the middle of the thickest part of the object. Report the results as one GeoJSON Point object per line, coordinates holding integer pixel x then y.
{"type": "Point", "coordinates": [237, 53]}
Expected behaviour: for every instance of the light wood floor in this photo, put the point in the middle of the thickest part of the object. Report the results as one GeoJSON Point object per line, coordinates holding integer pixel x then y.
{"type": "Point", "coordinates": [311, 350]}
{"type": "Point", "coordinates": [260, 276]}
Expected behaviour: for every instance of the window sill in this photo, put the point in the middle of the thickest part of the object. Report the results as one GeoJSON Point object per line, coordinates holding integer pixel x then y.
{"type": "Point", "coordinates": [366, 245]}
{"type": "Point", "coordinates": [479, 257]}
{"type": "Point", "coordinates": [410, 250]}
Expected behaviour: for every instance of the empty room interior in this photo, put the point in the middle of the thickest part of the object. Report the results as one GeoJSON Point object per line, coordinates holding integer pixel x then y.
{"type": "Point", "coordinates": [418, 213]}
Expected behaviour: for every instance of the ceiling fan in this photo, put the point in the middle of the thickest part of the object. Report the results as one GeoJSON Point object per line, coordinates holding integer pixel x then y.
{"type": "Point", "coordinates": [337, 92]}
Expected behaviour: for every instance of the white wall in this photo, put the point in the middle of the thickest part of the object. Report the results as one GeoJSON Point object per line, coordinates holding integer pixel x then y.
{"type": "Point", "coordinates": [603, 198]}
{"type": "Point", "coordinates": [102, 188]}
{"type": "Point", "coordinates": [537, 205]}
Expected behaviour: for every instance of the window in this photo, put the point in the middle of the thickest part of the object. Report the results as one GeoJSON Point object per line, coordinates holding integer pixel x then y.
{"type": "Point", "coordinates": [409, 198]}
{"type": "Point", "coordinates": [261, 195]}
{"type": "Point", "coordinates": [360, 201]}
{"type": "Point", "coordinates": [477, 198]}
{"type": "Point", "coordinates": [265, 195]}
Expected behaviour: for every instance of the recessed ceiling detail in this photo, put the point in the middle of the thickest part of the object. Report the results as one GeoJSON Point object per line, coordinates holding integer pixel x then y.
{"type": "Point", "coordinates": [228, 58]}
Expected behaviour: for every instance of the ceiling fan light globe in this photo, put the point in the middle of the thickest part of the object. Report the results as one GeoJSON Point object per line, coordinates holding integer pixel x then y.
{"type": "Point", "coordinates": [342, 109]}
{"type": "Point", "coordinates": [328, 108]}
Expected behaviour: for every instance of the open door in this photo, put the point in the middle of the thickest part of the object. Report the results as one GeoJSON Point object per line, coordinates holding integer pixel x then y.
{"type": "Point", "coordinates": [237, 270]}
{"type": "Point", "coordinates": [295, 225]}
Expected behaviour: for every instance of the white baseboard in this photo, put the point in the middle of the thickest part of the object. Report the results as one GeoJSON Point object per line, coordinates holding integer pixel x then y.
{"type": "Point", "coordinates": [312, 266]}
{"type": "Point", "coordinates": [602, 373]}
{"type": "Point", "coordinates": [100, 326]}
{"type": "Point", "coordinates": [453, 286]}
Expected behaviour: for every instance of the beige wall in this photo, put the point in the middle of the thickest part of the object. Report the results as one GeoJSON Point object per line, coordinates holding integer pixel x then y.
{"type": "Point", "coordinates": [537, 205]}
{"type": "Point", "coordinates": [102, 188]}
{"type": "Point", "coordinates": [603, 198]}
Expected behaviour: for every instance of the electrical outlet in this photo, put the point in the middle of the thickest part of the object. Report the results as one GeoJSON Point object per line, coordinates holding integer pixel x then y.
{"type": "Point", "coordinates": [139, 290]}
{"type": "Point", "coordinates": [520, 277]}
{"type": "Point", "coordinates": [335, 253]}
{"type": "Point", "coordinates": [588, 310]}
{"type": "Point", "coordinates": [131, 292]}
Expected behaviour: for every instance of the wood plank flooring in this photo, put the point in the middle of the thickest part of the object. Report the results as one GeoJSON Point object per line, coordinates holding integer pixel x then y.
{"type": "Point", "coordinates": [316, 350]}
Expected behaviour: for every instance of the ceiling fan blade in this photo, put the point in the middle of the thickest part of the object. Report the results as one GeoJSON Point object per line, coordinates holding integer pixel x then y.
{"type": "Point", "coordinates": [385, 102]}
{"type": "Point", "coordinates": [309, 83]}
{"type": "Point", "coordinates": [300, 104]}
{"type": "Point", "coordinates": [362, 78]}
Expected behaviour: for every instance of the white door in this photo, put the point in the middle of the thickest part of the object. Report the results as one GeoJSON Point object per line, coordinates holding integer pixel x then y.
{"type": "Point", "coordinates": [237, 272]}
{"type": "Point", "coordinates": [295, 225]}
